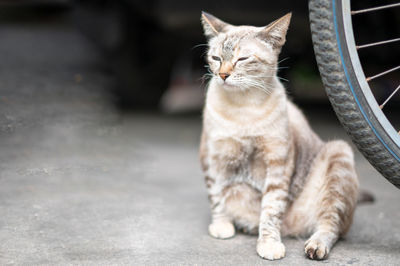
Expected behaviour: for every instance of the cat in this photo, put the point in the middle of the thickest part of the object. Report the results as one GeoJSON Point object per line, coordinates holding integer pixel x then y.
{"type": "Point", "coordinates": [266, 171]}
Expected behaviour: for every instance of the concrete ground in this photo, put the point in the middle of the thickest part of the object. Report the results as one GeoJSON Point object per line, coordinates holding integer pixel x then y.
{"type": "Point", "coordinates": [82, 183]}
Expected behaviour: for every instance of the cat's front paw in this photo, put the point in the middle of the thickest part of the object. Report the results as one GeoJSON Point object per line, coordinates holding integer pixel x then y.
{"type": "Point", "coordinates": [221, 230]}
{"type": "Point", "coordinates": [270, 249]}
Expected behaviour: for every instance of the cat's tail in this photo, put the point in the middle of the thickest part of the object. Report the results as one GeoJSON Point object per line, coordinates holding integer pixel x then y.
{"type": "Point", "coordinates": [365, 196]}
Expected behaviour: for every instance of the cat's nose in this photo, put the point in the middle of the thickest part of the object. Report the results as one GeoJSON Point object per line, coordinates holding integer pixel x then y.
{"type": "Point", "coordinates": [224, 76]}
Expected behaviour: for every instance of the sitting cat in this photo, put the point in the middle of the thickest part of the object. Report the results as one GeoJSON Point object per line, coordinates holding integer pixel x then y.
{"type": "Point", "coordinates": [265, 169]}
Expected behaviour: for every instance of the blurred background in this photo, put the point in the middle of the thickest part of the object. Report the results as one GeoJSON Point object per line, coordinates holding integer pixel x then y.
{"type": "Point", "coordinates": [100, 117]}
{"type": "Point", "coordinates": [154, 49]}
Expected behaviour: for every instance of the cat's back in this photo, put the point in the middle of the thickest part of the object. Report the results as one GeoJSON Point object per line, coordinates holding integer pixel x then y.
{"type": "Point", "coordinates": [300, 128]}
{"type": "Point", "coordinates": [307, 146]}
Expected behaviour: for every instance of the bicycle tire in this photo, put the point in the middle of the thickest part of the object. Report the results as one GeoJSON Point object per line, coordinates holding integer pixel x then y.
{"type": "Point", "coordinates": [352, 106]}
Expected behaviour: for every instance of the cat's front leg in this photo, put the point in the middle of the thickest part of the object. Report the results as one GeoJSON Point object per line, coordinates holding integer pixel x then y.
{"type": "Point", "coordinates": [273, 204]}
{"type": "Point", "coordinates": [221, 225]}
{"type": "Point", "coordinates": [225, 158]}
{"type": "Point", "coordinates": [269, 244]}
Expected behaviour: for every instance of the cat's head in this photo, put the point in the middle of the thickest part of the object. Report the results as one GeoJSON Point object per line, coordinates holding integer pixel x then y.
{"type": "Point", "coordinates": [241, 57]}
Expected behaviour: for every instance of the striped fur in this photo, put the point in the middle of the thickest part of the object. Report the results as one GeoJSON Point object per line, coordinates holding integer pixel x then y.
{"type": "Point", "coordinates": [266, 171]}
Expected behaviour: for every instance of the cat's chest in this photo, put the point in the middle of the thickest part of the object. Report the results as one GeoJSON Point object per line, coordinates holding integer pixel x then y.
{"type": "Point", "coordinates": [249, 123]}
{"type": "Point", "coordinates": [242, 160]}
{"type": "Point", "coordinates": [243, 127]}
{"type": "Point", "coordinates": [255, 169]}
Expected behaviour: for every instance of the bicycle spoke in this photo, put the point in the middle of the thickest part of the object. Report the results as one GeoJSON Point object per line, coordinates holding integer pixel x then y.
{"type": "Point", "coordinates": [391, 95]}
{"type": "Point", "coordinates": [383, 73]}
{"type": "Point", "coordinates": [377, 43]}
{"type": "Point", "coordinates": [374, 9]}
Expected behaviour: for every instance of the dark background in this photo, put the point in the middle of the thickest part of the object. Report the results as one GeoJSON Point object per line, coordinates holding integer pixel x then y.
{"type": "Point", "coordinates": [154, 49]}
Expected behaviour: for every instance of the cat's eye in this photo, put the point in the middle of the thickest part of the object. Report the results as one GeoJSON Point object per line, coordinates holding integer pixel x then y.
{"type": "Point", "coordinates": [243, 58]}
{"type": "Point", "coordinates": [216, 58]}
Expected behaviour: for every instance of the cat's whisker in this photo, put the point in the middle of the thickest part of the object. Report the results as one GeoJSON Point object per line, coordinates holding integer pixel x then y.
{"type": "Point", "coordinates": [257, 84]}
{"type": "Point", "coordinates": [199, 45]}
{"type": "Point", "coordinates": [277, 68]}
{"type": "Point", "coordinates": [203, 54]}
{"type": "Point", "coordinates": [207, 76]}
{"type": "Point", "coordinates": [284, 59]}
{"type": "Point", "coordinates": [282, 79]}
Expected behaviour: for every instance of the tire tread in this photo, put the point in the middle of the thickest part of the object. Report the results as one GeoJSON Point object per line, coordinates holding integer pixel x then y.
{"type": "Point", "coordinates": [340, 95]}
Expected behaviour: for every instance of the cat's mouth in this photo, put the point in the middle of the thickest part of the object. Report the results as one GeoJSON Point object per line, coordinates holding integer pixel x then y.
{"type": "Point", "coordinates": [230, 86]}
{"type": "Point", "coordinates": [226, 83]}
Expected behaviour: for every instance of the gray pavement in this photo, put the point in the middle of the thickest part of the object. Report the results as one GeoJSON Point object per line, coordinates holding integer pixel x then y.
{"type": "Point", "coordinates": [84, 184]}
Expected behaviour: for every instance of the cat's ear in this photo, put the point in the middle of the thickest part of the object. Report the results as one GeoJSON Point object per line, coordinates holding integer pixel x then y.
{"type": "Point", "coordinates": [275, 32]}
{"type": "Point", "coordinates": [212, 25]}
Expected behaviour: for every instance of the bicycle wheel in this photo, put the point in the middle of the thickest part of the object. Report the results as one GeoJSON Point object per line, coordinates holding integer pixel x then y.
{"type": "Point", "coordinates": [348, 88]}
